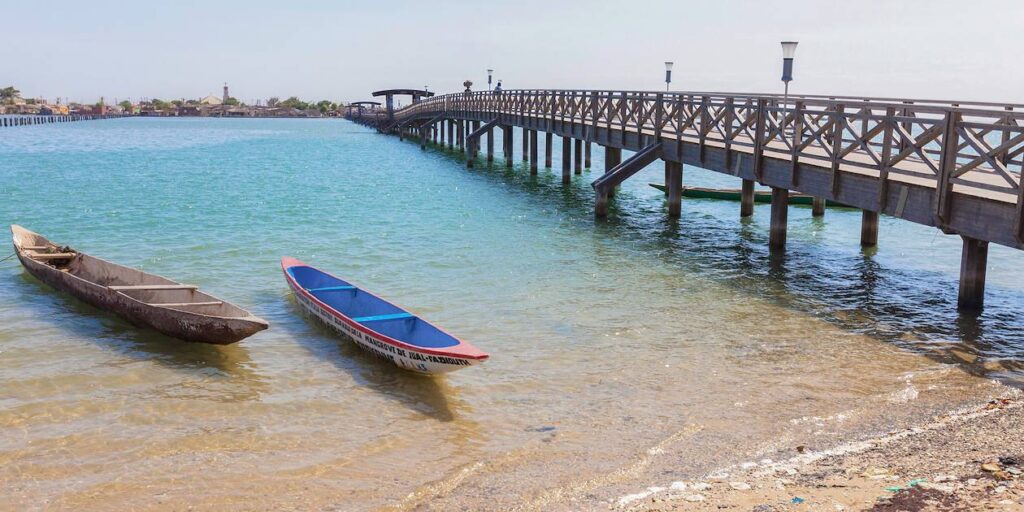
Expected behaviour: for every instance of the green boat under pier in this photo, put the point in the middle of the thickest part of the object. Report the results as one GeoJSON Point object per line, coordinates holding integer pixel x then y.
{"type": "Point", "coordinates": [733, 194]}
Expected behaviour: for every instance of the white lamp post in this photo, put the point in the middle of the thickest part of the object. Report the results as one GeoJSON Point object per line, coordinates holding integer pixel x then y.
{"type": "Point", "coordinates": [788, 50]}
{"type": "Point", "coordinates": [490, 72]}
{"type": "Point", "coordinates": [668, 73]}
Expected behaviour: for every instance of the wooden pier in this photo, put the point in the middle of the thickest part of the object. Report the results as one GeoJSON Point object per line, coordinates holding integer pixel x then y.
{"type": "Point", "coordinates": [955, 166]}
{"type": "Point", "coordinates": [33, 120]}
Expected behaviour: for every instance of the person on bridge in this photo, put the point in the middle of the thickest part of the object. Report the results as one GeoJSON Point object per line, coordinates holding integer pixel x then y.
{"type": "Point", "coordinates": [497, 88]}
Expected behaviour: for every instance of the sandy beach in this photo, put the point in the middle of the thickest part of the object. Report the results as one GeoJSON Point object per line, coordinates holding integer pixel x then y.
{"type": "Point", "coordinates": [969, 459]}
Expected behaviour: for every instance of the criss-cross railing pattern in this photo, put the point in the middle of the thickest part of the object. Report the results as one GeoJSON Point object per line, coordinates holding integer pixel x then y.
{"type": "Point", "coordinates": [976, 148]}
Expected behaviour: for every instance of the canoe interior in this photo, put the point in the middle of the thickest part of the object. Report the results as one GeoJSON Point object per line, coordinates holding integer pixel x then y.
{"type": "Point", "coordinates": [369, 310]}
{"type": "Point", "coordinates": [105, 273]}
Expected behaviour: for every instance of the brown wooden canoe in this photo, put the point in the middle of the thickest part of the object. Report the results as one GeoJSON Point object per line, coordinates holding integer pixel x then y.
{"type": "Point", "coordinates": [175, 309]}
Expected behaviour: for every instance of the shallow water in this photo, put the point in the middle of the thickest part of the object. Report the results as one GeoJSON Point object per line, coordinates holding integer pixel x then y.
{"type": "Point", "coordinates": [623, 351]}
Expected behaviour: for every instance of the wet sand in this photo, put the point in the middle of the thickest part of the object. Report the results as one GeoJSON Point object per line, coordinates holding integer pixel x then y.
{"type": "Point", "coordinates": [968, 459]}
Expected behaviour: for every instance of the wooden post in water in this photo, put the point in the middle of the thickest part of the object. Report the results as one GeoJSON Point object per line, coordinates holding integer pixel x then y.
{"type": "Point", "coordinates": [461, 134]}
{"type": "Point", "coordinates": [869, 228]}
{"type": "Point", "coordinates": [451, 134]}
{"type": "Point", "coordinates": [675, 188]}
{"type": "Point", "coordinates": [612, 157]}
{"type": "Point", "coordinates": [780, 213]}
{"type": "Point", "coordinates": [547, 149]}
{"type": "Point", "coordinates": [507, 144]}
{"type": "Point", "coordinates": [490, 145]}
{"type": "Point", "coordinates": [566, 159]}
{"type": "Point", "coordinates": [578, 163]}
{"type": "Point", "coordinates": [818, 207]}
{"type": "Point", "coordinates": [526, 145]}
{"type": "Point", "coordinates": [474, 126]}
{"type": "Point", "coordinates": [747, 198]}
{"type": "Point", "coordinates": [973, 262]}
{"type": "Point", "coordinates": [586, 155]}
{"type": "Point", "coordinates": [533, 152]}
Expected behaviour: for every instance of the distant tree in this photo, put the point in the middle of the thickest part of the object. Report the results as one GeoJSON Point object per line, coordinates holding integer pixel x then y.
{"type": "Point", "coordinates": [159, 104]}
{"type": "Point", "coordinates": [326, 106]}
{"type": "Point", "coordinates": [30, 101]}
{"type": "Point", "coordinates": [177, 103]}
{"type": "Point", "coordinates": [8, 94]}
{"type": "Point", "coordinates": [232, 102]}
{"type": "Point", "coordinates": [295, 103]}
{"type": "Point", "coordinates": [273, 101]}
{"type": "Point", "coordinates": [127, 105]}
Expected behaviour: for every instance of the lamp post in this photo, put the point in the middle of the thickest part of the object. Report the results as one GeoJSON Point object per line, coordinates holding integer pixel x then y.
{"type": "Point", "coordinates": [490, 72]}
{"type": "Point", "coordinates": [668, 74]}
{"type": "Point", "coordinates": [788, 50]}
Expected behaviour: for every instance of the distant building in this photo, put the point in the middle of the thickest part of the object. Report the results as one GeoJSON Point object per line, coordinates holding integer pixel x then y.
{"type": "Point", "coordinates": [211, 100]}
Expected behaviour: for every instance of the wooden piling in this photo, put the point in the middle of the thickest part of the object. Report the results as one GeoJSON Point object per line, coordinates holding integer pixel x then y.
{"type": "Point", "coordinates": [601, 203]}
{"type": "Point", "coordinates": [547, 149]}
{"type": "Point", "coordinates": [586, 155]}
{"type": "Point", "coordinates": [526, 145]}
{"type": "Point", "coordinates": [507, 144]}
{"type": "Point", "coordinates": [566, 159]}
{"type": "Point", "coordinates": [675, 188]}
{"type": "Point", "coordinates": [818, 207]}
{"type": "Point", "coordinates": [869, 229]}
{"type": "Point", "coordinates": [451, 134]}
{"type": "Point", "coordinates": [747, 198]}
{"type": "Point", "coordinates": [533, 152]}
{"type": "Point", "coordinates": [490, 145]}
{"type": "Point", "coordinates": [578, 163]}
{"type": "Point", "coordinates": [612, 157]}
{"type": "Point", "coordinates": [973, 262]}
{"type": "Point", "coordinates": [780, 213]}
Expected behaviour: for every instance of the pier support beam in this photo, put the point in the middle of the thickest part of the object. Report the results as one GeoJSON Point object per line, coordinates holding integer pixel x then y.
{"type": "Point", "coordinates": [619, 173]}
{"type": "Point", "coordinates": [579, 157]}
{"type": "Point", "coordinates": [566, 159]}
{"type": "Point", "coordinates": [451, 133]}
{"type": "Point", "coordinates": [586, 155]}
{"type": "Point", "coordinates": [490, 145]}
{"type": "Point", "coordinates": [474, 127]}
{"type": "Point", "coordinates": [747, 198]}
{"type": "Point", "coordinates": [547, 149]}
{"type": "Point", "coordinates": [869, 229]}
{"type": "Point", "coordinates": [780, 214]}
{"type": "Point", "coordinates": [818, 207]}
{"type": "Point", "coordinates": [461, 134]}
{"type": "Point", "coordinates": [526, 145]}
{"type": "Point", "coordinates": [533, 152]}
{"type": "Point", "coordinates": [973, 262]}
{"type": "Point", "coordinates": [506, 146]}
{"type": "Point", "coordinates": [612, 157]}
{"type": "Point", "coordinates": [675, 188]}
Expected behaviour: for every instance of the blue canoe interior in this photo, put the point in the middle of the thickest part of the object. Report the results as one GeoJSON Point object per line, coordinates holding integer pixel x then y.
{"type": "Point", "coordinates": [369, 310]}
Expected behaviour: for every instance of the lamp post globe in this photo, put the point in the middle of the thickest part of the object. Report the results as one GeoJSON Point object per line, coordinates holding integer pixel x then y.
{"type": "Point", "coordinates": [490, 73]}
{"type": "Point", "coordinates": [668, 73]}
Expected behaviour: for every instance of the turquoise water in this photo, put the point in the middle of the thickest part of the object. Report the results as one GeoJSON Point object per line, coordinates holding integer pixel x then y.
{"type": "Point", "coordinates": [621, 349]}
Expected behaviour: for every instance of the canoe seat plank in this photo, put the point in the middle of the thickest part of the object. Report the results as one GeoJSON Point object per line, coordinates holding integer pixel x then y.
{"type": "Point", "coordinates": [119, 288]}
{"type": "Point", "coordinates": [330, 289]}
{"type": "Point", "coordinates": [53, 256]}
{"type": "Point", "coordinates": [381, 318]}
{"type": "Point", "coordinates": [36, 247]}
{"type": "Point", "coordinates": [183, 304]}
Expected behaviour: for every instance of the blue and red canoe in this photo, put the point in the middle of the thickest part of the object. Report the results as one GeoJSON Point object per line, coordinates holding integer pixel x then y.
{"type": "Point", "coordinates": [377, 325]}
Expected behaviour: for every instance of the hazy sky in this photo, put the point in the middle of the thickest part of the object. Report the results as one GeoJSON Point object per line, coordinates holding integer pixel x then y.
{"type": "Point", "coordinates": [339, 50]}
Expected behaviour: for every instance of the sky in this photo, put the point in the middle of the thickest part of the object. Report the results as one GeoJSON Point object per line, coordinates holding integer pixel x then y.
{"type": "Point", "coordinates": [343, 50]}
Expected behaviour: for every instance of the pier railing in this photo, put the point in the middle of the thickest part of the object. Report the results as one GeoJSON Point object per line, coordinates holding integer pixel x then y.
{"type": "Point", "coordinates": [976, 147]}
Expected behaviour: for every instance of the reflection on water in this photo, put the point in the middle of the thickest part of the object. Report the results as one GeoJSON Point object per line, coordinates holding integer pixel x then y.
{"type": "Point", "coordinates": [423, 393]}
{"type": "Point", "coordinates": [623, 350]}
